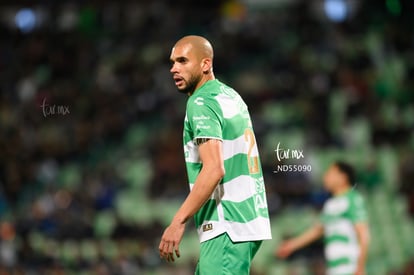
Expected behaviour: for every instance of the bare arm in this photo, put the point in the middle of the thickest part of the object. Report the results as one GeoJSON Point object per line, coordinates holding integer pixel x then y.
{"type": "Point", "coordinates": [291, 245]}
{"type": "Point", "coordinates": [210, 175]}
{"type": "Point", "coordinates": [362, 231]}
{"type": "Point", "coordinates": [212, 172]}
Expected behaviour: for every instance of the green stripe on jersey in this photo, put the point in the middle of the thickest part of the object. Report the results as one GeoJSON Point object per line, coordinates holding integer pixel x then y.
{"type": "Point", "coordinates": [208, 212]}
{"type": "Point", "coordinates": [233, 127]}
{"type": "Point", "coordinates": [193, 169]}
{"type": "Point", "coordinates": [338, 262]}
{"type": "Point", "coordinates": [234, 172]}
{"type": "Point", "coordinates": [241, 211]}
{"type": "Point", "coordinates": [336, 238]}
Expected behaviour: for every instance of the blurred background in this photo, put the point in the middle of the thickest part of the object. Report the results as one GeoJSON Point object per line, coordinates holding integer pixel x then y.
{"type": "Point", "coordinates": [91, 159]}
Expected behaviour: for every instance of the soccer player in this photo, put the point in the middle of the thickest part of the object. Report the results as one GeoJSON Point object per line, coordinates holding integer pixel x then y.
{"type": "Point", "coordinates": [343, 224]}
{"type": "Point", "coordinates": [227, 197]}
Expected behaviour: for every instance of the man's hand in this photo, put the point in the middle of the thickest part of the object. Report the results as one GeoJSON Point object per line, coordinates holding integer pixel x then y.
{"type": "Point", "coordinates": [285, 249]}
{"type": "Point", "coordinates": [170, 241]}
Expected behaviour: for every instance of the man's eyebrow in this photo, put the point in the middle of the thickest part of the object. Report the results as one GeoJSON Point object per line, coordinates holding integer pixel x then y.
{"type": "Point", "coordinates": [179, 59]}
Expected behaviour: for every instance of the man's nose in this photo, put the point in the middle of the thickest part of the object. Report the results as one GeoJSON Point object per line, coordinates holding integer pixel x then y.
{"type": "Point", "coordinates": [173, 69]}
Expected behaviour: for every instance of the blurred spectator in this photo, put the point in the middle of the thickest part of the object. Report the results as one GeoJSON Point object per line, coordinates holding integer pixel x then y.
{"type": "Point", "coordinates": [406, 180]}
{"type": "Point", "coordinates": [370, 176]}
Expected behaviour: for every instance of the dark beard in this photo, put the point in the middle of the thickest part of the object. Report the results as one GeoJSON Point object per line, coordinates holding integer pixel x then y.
{"type": "Point", "coordinates": [191, 85]}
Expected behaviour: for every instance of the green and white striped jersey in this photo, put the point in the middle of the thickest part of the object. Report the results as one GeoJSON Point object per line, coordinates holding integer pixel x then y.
{"type": "Point", "coordinates": [238, 205]}
{"type": "Point", "coordinates": [340, 213]}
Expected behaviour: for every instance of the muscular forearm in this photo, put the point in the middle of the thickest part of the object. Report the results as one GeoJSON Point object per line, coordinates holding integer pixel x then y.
{"type": "Point", "coordinates": [203, 187]}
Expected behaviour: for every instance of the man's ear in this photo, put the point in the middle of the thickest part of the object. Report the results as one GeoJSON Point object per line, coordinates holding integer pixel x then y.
{"type": "Point", "coordinates": [206, 65]}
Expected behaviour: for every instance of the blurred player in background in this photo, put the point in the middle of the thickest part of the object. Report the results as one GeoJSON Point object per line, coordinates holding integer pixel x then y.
{"type": "Point", "coordinates": [227, 197]}
{"type": "Point", "coordinates": [343, 224]}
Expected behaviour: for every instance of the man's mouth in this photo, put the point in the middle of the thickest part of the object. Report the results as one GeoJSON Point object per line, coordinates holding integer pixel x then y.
{"type": "Point", "coordinates": [178, 80]}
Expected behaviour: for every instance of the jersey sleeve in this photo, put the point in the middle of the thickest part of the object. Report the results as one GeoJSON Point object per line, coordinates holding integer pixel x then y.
{"type": "Point", "coordinates": [358, 212]}
{"type": "Point", "coordinates": [205, 118]}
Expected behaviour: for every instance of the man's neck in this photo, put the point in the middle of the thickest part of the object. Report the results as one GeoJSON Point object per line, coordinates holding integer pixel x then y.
{"type": "Point", "coordinates": [203, 80]}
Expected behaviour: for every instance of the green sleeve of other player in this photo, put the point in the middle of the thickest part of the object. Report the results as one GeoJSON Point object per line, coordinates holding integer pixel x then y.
{"type": "Point", "coordinates": [357, 211]}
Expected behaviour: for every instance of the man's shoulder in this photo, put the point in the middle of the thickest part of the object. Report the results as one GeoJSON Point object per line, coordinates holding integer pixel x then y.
{"type": "Point", "coordinates": [357, 199]}
{"type": "Point", "coordinates": [206, 95]}
{"type": "Point", "coordinates": [214, 88]}
{"type": "Point", "coordinates": [210, 89]}
{"type": "Point", "coordinates": [355, 195]}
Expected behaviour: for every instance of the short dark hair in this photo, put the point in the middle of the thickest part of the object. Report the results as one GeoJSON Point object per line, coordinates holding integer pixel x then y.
{"type": "Point", "coordinates": [347, 169]}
